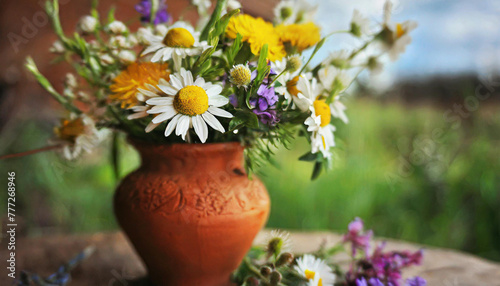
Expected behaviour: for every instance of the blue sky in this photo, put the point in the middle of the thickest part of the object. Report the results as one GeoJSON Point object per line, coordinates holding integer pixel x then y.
{"type": "Point", "coordinates": [454, 36]}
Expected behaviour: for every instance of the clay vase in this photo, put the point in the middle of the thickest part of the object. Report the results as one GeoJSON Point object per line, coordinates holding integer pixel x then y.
{"type": "Point", "coordinates": [191, 212]}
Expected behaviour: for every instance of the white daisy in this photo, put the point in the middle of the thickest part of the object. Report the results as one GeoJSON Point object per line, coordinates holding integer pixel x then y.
{"type": "Point", "coordinates": [189, 103]}
{"type": "Point", "coordinates": [360, 25]}
{"type": "Point", "coordinates": [315, 270]}
{"type": "Point", "coordinates": [322, 138]}
{"type": "Point", "coordinates": [279, 239]}
{"type": "Point", "coordinates": [77, 134]}
{"type": "Point", "coordinates": [397, 36]}
{"type": "Point", "coordinates": [334, 80]}
{"type": "Point", "coordinates": [180, 40]}
{"type": "Point", "coordinates": [294, 11]}
{"type": "Point", "coordinates": [339, 59]}
{"type": "Point", "coordinates": [305, 92]}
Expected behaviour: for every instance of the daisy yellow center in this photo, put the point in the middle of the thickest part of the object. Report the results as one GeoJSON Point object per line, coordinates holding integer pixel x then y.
{"type": "Point", "coordinates": [400, 31]}
{"type": "Point", "coordinates": [291, 86]}
{"type": "Point", "coordinates": [191, 100]}
{"type": "Point", "coordinates": [70, 129]}
{"type": "Point", "coordinates": [310, 275]}
{"type": "Point", "coordinates": [178, 38]}
{"type": "Point", "coordinates": [321, 108]}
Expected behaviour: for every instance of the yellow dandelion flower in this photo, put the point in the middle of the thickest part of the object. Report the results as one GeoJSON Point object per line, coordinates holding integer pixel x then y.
{"type": "Point", "coordinates": [257, 32]}
{"type": "Point", "coordinates": [300, 36]}
{"type": "Point", "coordinates": [137, 75]}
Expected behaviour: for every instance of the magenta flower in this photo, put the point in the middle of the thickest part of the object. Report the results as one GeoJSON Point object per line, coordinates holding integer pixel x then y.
{"type": "Point", "coordinates": [358, 239]}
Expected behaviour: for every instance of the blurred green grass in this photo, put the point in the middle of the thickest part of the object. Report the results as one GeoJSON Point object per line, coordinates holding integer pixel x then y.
{"type": "Point", "coordinates": [405, 170]}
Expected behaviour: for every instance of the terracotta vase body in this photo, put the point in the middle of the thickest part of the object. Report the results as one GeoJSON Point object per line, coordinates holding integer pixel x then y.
{"type": "Point", "coordinates": [191, 212]}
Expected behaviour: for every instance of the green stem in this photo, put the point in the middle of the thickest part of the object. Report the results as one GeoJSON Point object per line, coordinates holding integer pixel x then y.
{"type": "Point", "coordinates": [44, 82]}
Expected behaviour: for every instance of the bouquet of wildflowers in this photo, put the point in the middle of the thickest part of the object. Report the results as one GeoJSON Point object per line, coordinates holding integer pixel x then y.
{"type": "Point", "coordinates": [275, 265]}
{"type": "Point", "coordinates": [231, 77]}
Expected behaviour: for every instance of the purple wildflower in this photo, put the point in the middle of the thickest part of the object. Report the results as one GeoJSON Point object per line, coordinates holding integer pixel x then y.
{"type": "Point", "coordinates": [416, 281]}
{"type": "Point", "coordinates": [233, 99]}
{"type": "Point", "coordinates": [144, 8]}
{"type": "Point", "coordinates": [264, 105]}
{"type": "Point", "coordinates": [356, 236]}
{"type": "Point", "coordinates": [361, 282]}
{"type": "Point", "coordinates": [375, 282]}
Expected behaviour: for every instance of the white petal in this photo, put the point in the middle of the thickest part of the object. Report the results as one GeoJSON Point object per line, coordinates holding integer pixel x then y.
{"type": "Point", "coordinates": [200, 82]}
{"type": "Point", "coordinates": [160, 101]}
{"type": "Point", "coordinates": [217, 100]}
{"type": "Point", "coordinates": [171, 125]}
{"type": "Point", "coordinates": [213, 122]}
{"type": "Point", "coordinates": [157, 56]}
{"type": "Point", "coordinates": [200, 127]}
{"type": "Point", "coordinates": [147, 92]}
{"type": "Point", "coordinates": [214, 90]}
{"type": "Point", "coordinates": [164, 116]}
{"type": "Point", "coordinates": [168, 89]}
{"type": "Point", "coordinates": [176, 82]}
{"type": "Point", "coordinates": [183, 126]}
{"type": "Point", "coordinates": [151, 49]}
{"type": "Point", "coordinates": [151, 126]}
{"type": "Point", "coordinates": [219, 112]}
{"type": "Point", "coordinates": [161, 109]}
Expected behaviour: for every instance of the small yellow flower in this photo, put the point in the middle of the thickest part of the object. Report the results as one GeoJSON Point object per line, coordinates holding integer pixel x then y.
{"type": "Point", "coordinates": [257, 32]}
{"type": "Point", "coordinates": [241, 76]}
{"type": "Point", "coordinates": [299, 36]}
{"type": "Point", "coordinates": [137, 75]}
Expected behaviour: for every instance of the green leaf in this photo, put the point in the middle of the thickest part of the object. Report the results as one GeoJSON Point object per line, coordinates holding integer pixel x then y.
{"type": "Point", "coordinates": [213, 19]}
{"type": "Point", "coordinates": [249, 118]}
{"type": "Point", "coordinates": [318, 167]}
{"type": "Point", "coordinates": [234, 49]}
{"type": "Point", "coordinates": [308, 157]}
{"type": "Point", "coordinates": [221, 25]}
{"type": "Point", "coordinates": [111, 15]}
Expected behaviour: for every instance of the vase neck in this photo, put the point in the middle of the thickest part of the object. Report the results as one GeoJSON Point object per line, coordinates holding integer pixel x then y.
{"type": "Point", "coordinates": [185, 158]}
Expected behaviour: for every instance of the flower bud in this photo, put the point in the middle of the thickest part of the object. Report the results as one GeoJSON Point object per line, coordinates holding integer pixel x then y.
{"type": "Point", "coordinates": [106, 59]}
{"type": "Point", "coordinates": [119, 42]}
{"type": "Point", "coordinates": [142, 36]}
{"type": "Point", "coordinates": [57, 47]}
{"type": "Point", "coordinates": [286, 12]}
{"type": "Point", "coordinates": [293, 63]}
{"type": "Point", "coordinates": [275, 278]}
{"type": "Point", "coordinates": [117, 27]}
{"type": "Point", "coordinates": [70, 81]}
{"type": "Point", "coordinates": [240, 75]}
{"type": "Point", "coordinates": [284, 259]}
{"type": "Point", "coordinates": [252, 281]}
{"type": "Point", "coordinates": [274, 246]}
{"type": "Point", "coordinates": [127, 57]}
{"type": "Point", "coordinates": [88, 24]}
{"type": "Point", "coordinates": [266, 271]}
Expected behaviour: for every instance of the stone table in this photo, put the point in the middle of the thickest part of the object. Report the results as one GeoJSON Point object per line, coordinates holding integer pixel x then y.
{"type": "Point", "coordinates": [115, 263]}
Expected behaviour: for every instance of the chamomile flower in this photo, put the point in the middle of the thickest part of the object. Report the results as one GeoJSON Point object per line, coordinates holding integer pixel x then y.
{"type": "Point", "coordinates": [240, 75]}
{"type": "Point", "coordinates": [180, 41]}
{"type": "Point", "coordinates": [334, 80]}
{"type": "Point", "coordinates": [78, 134]}
{"type": "Point", "coordinates": [294, 12]}
{"type": "Point", "coordinates": [278, 242]}
{"type": "Point", "coordinates": [395, 37]}
{"type": "Point", "coordinates": [188, 103]}
{"type": "Point", "coordinates": [339, 59]}
{"type": "Point", "coordinates": [360, 25]}
{"type": "Point", "coordinates": [304, 91]}
{"type": "Point", "coordinates": [322, 138]}
{"type": "Point", "coordinates": [315, 270]}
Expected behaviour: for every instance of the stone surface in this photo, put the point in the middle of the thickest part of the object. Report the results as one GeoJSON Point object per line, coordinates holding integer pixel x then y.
{"type": "Point", "coordinates": [115, 263]}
